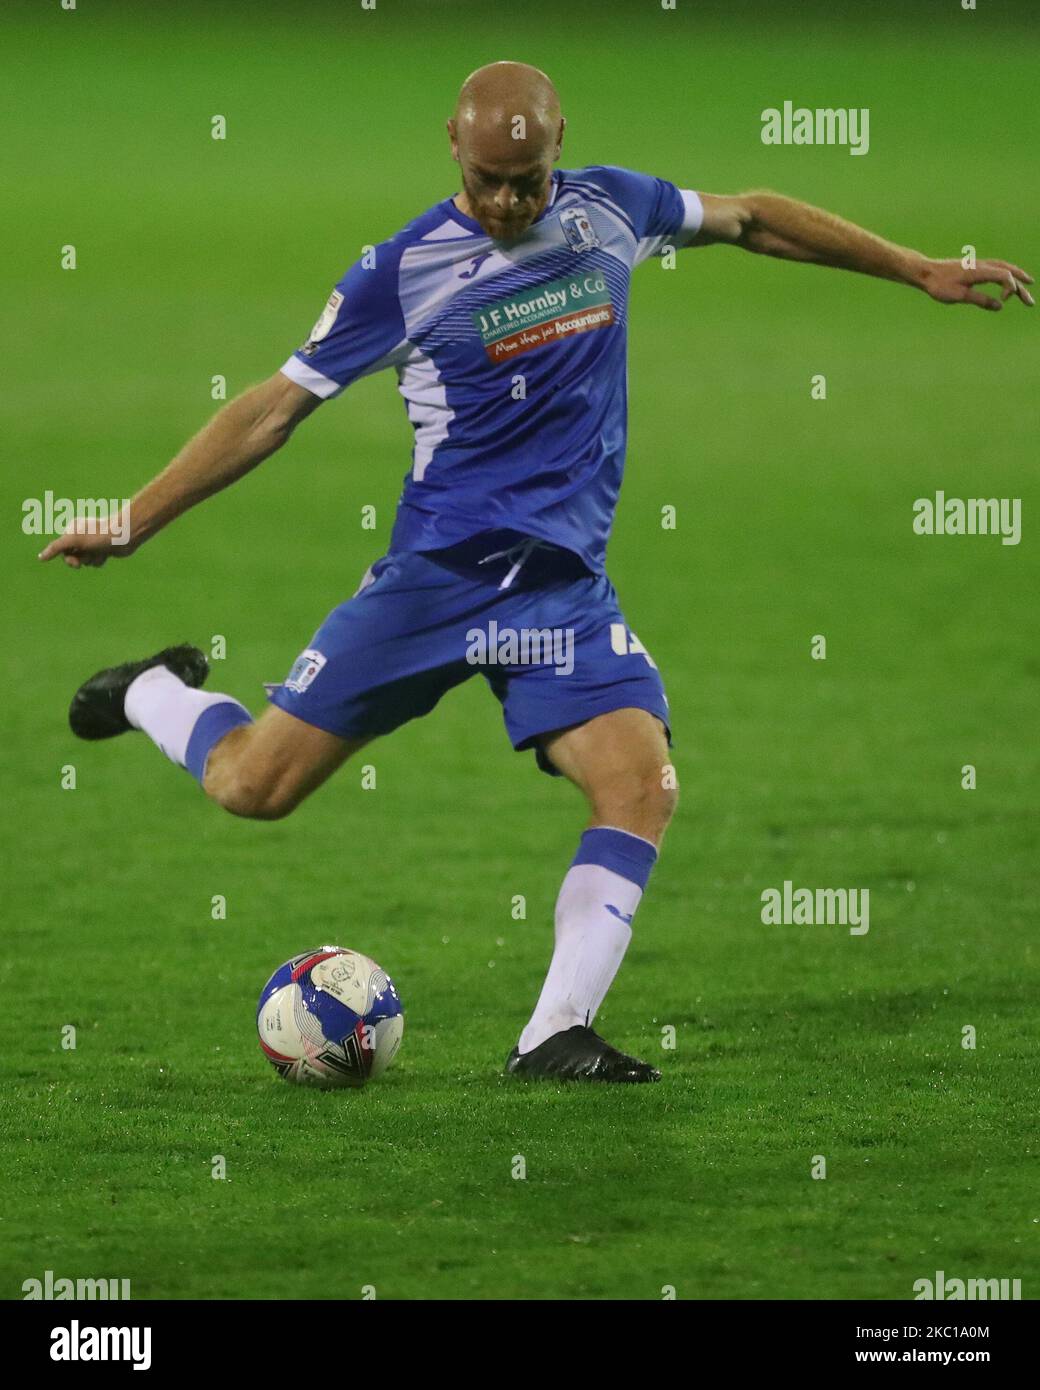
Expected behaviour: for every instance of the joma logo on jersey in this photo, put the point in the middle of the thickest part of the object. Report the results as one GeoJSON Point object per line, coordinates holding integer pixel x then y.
{"type": "Point", "coordinates": [478, 261]}
{"type": "Point", "coordinates": [544, 314]}
{"type": "Point", "coordinates": [578, 230]}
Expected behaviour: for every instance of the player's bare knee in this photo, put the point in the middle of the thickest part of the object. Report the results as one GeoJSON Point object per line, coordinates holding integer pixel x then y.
{"type": "Point", "coordinates": [660, 799]}
{"type": "Point", "coordinates": [668, 799]}
{"type": "Point", "coordinates": [645, 799]}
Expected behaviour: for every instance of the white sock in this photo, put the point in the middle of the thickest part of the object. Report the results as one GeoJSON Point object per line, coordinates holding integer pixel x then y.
{"type": "Point", "coordinates": [590, 945]}
{"type": "Point", "coordinates": [162, 706]}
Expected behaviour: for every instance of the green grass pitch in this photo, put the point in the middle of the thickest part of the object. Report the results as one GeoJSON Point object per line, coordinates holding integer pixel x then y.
{"type": "Point", "coordinates": [198, 258]}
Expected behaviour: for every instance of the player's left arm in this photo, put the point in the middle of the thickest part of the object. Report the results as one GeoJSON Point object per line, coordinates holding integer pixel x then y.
{"type": "Point", "coordinates": [772, 225]}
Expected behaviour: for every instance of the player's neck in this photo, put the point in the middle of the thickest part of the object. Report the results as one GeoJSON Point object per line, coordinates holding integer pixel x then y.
{"type": "Point", "coordinates": [463, 204]}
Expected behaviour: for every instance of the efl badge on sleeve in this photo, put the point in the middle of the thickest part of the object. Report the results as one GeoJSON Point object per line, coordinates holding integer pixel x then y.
{"type": "Point", "coordinates": [324, 325]}
{"type": "Point", "coordinates": [578, 229]}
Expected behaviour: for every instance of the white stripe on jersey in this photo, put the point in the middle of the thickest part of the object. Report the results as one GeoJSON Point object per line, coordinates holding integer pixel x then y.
{"type": "Point", "coordinates": [448, 231]}
{"type": "Point", "coordinates": [320, 385]}
{"type": "Point", "coordinates": [314, 382]}
{"type": "Point", "coordinates": [693, 216]}
{"type": "Point", "coordinates": [419, 382]}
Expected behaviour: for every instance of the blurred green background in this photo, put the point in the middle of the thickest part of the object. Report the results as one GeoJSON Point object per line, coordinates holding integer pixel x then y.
{"type": "Point", "coordinates": [199, 257]}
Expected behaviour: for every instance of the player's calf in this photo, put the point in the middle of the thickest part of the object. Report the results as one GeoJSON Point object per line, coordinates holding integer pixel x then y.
{"type": "Point", "coordinates": [621, 762]}
{"type": "Point", "coordinates": [264, 770]}
{"type": "Point", "coordinates": [240, 782]}
{"type": "Point", "coordinates": [261, 769]}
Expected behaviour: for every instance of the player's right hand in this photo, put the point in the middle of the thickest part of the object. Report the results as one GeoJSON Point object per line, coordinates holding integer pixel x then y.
{"type": "Point", "coordinates": [87, 543]}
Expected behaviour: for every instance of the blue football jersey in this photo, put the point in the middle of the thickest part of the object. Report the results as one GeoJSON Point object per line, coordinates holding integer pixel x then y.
{"type": "Point", "coordinates": [510, 357]}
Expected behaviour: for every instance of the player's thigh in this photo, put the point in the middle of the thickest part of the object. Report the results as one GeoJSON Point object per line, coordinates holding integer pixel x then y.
{"type": "Point", "coordinates": [620, 760]}
{"type": "Point", "coordinates": [265, 769]}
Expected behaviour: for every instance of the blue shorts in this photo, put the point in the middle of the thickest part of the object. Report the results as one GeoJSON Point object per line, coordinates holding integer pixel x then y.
{"type": "Point", "coordinates": [546, 634]}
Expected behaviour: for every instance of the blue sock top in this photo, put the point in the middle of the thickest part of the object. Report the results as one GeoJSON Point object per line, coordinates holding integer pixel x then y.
{"type": "Point", "coordinates": [617, 850]}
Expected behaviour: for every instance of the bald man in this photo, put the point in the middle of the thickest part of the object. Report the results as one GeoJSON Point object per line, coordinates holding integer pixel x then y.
{"type": "Point", "coordinates": [503, 312]}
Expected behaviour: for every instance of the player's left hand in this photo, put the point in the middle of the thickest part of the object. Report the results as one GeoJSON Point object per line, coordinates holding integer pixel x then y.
{"type": "Point", "coordinates": [950, 282]}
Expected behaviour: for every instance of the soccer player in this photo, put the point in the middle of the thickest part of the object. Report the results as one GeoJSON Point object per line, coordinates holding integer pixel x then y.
{"type": "Point", "coordinates": [503, 312]}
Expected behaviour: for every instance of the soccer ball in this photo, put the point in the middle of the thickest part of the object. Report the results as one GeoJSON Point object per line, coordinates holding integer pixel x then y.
{"type": "Point", "coordinates": [329, 1018]}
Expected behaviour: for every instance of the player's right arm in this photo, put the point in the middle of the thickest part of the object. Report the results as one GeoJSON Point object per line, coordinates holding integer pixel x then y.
{"type": "Point", "coordinates": [245, 432]}
{"type": "Point", "coordinates": [361, 330]}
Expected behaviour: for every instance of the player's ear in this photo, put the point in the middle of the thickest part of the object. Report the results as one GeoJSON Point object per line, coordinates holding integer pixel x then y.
{"type": "Point", "coordinates": [453, 137]}
{"type": "Point", "coordinates": [559, 138]}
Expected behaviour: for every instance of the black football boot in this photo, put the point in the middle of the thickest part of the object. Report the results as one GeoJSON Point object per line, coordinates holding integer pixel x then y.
{"type": "Point", "coordinates": [578, 1054]}
{"type": "Point", "coordinates": [97, 706]}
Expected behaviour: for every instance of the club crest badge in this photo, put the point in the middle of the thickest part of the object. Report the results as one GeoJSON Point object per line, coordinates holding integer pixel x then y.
{"type": "Point", "coordinates": [304, 669]}
{"type": "Point", "coordinates": [578, 230]}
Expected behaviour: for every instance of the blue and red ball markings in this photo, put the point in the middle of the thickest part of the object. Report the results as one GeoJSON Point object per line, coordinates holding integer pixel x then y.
{"type": "Point", "coordinates": [282, 976]}
{"type": "Point", "coordinates": [341, 1027]}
